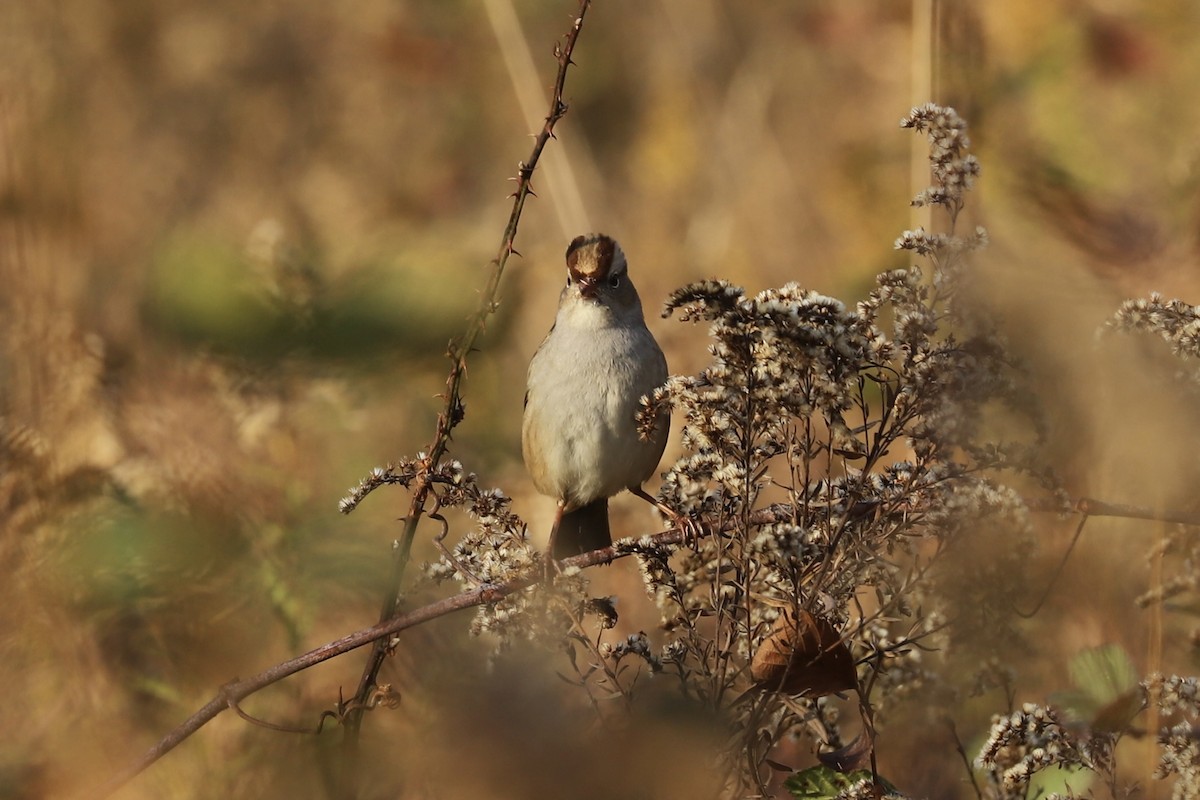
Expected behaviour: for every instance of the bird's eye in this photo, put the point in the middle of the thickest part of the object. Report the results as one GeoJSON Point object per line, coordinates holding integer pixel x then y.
{"type": "Point", "coordinates": [614, 281]}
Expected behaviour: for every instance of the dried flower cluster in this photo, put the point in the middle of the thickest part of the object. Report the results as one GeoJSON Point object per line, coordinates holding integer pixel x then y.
{"type": "Point", "coordinates": [954, 170]}
{"type": "Point", "coordinates": [402, 474]}
{"type": "Point", "coordinates": [494, 551]}
{"type": "Point", "coordinates": [1182, 545]}
{"type": "Point", "coordinates": [1035, 738]}
{"type": "Point", "coordinates": [833, 452]}
{"type": "Point", "coordinates": [1023, 742]}
{"type": "Point", "coordinates": [1178, 700]}
{"type": "Point", "coordinates": [831, 449]}
{"type": "Point", "coordinates": [1177, 322]}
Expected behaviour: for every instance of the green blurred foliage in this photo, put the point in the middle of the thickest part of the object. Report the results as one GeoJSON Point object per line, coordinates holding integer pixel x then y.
{"type": "Point", "coordinates": [823, 783]}
{"type": "Point", "coordinates": [210, 296]}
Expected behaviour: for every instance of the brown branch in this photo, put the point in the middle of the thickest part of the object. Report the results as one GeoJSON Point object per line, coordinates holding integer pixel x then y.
{"type": "Point", "coordinates": [452, 411]}
{"type": "Point", "coordinates": [231, 694]}
{"type": "Point", "coordinates": [1058, 571]}
{"type": "Point", "coordinates": [1091, 507]}
{"type": "Point", "coordinates": [234, 692]}
{"type": "Point", "coordinates": [1087, 507]}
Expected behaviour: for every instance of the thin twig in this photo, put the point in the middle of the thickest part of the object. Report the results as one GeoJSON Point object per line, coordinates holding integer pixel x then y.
{"type": "Point", "coordinates": [1083, 518]}
{"type": "Point", "coordinates": [458, 351]}
{"type": "Point", "coordinates": [1088, 507]}
{"type": "Point", "coordinates": [962, 754]}
{"type": "Point", "coordinates": [272, 726]}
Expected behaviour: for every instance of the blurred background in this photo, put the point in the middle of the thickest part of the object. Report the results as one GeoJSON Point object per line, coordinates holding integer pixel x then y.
{"type": "Point", "coordinates": [236, 238]}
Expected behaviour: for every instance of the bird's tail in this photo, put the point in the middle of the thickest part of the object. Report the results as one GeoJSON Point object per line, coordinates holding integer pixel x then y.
{"type": "Point", "coordinates": [581, 531]}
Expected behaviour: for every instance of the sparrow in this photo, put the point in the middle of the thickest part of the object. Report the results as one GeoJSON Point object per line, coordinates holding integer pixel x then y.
{"type": "Point", "coordinates": [579, 436]}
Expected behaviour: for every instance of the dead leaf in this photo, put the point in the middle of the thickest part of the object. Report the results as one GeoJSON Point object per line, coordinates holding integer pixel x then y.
{"type": "Point", "coordinates": [803, 654]}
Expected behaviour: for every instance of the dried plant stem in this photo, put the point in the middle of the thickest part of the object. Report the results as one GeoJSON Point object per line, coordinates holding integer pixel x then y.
{"type": "Point", "coordinates": [1154, 650]}
{"type": "Point", "coordinates": [1087, 507]}
{"type": "Point", "coordinates": [458, 351]}
{"type": "Point", "coordinates": [233, 693]}
{"type": "Point", "coordinates": [966, 760]}
{"type": "Point", "coordinates": [923, 45]}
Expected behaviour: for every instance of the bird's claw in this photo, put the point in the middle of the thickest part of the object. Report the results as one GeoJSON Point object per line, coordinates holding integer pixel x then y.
{"type": "Point", "coordinates": [690, 528]}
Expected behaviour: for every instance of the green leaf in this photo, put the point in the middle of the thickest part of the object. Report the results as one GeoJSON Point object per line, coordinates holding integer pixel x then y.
{"type": "Point", "coordinates": [1106, 693]}
{"type": "Point", "coordinates": [1104, 673]}
{"type": "Point", "coordinates": [1062, 781]}
{"type": "Point", "coordinates": [823, 783]}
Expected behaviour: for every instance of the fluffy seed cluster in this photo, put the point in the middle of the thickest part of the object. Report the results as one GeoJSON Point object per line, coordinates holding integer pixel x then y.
{"type": "Point", "coordinates": [1175, 694]}
{"type": "Point", "coordinates": [1175, 321]}
{"type": "Point", "coordinates": [1025, 741]}
{"type": "Point", "coordinates": [827, 446]}
{"type": "Point", "coordinates": [402, 473]}
{"type": "Point", "coordinates": [494, 551]}
{"type": "Point", "coordinates": [954, 170]}
{"type": "Point", "coordinates": [1178, 699]}
{"type": "Point", "coordinates": [1180, 757]}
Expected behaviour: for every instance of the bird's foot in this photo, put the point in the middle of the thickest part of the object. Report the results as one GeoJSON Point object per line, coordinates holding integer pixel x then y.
{"type": "Point", "coordinates": [690, 528]}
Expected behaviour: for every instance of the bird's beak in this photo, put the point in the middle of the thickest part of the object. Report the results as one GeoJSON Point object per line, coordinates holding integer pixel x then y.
{"type": "Point", "coordinates": [588, 286]}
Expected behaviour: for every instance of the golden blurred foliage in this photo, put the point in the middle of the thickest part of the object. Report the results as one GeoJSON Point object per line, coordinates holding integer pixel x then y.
{"type": "Point", "coordinates": [235, 239]}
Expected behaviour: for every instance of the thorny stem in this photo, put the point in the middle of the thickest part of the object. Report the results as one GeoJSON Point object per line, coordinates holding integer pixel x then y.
{"type": "Point", "coordinates": [459, 349]}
